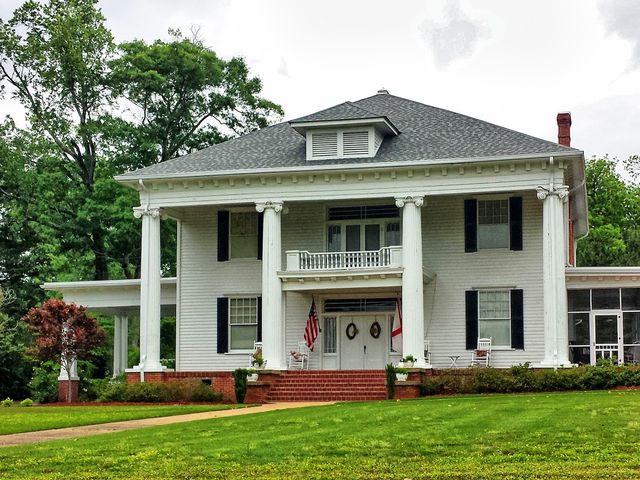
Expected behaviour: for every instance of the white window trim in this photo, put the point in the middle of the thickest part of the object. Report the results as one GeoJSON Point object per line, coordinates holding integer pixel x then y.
{"type": "Point", "coordinates": [240, 297]}
{"type": "Point", "coordinates": [381, 222]}
{"type": "Point", "coordinates": [508, 291]}
{"type": "Point", "coordinates": [489, 198]}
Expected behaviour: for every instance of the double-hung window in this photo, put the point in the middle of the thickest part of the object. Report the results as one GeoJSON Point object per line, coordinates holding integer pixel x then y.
{"type": "Point", "coordinates": [243, 323]}
{"type": "Point", "coordinates": [494, 316]}
{"type": "Point", "coordinates": [243, 234]}
{"type": "Point", "coordinates": [493, 223]}
{"type": "Point", "coordinates": [360, 228]}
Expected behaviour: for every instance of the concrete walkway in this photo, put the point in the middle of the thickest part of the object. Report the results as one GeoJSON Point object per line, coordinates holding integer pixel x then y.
{"type": "Point", "coordinates": [89, 430]}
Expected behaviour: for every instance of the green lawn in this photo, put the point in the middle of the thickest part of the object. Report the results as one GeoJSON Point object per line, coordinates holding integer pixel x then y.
{"type": "Point", "coordinates": [29, 419]}
{"type": "Point", "coordinates": [588, 435]}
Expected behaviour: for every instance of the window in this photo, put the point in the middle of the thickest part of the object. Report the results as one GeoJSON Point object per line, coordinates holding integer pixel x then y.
{"type": "Point", "coordinates": [243, 234]}
{"type": "Point", "coordinates": [330, 336]}
{"type": "Point", "coordinates": [494, 316]}
{"type": "Point", "coordinates": [358, 228]}
{"type": "Point", "coordinates": [493, 224]}
{"type": "Point", "coordinates": [243, 323]}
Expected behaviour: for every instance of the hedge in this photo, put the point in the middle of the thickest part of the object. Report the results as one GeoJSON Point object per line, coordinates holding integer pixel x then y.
{"type": "Point", "coordinates": [188, 390]}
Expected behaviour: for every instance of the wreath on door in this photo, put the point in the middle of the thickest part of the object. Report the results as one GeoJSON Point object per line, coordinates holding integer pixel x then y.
{"type": "Point", "coordinates": [352, 331]}
{"type": "Point", "coordinates": [375, 330]}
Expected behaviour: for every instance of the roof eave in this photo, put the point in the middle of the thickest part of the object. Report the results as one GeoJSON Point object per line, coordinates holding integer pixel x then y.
{"type": "Point", "coordinates": [132, 180]}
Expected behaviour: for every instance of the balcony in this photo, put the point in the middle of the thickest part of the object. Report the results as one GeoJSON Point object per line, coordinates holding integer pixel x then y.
{"type": "Point", "coordinates": [307, 271]}
{"type": "Point", "coordinates": [302, 260]}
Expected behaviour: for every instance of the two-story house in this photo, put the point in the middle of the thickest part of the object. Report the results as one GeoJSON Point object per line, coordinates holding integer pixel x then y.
{"type": "Point", "coordinates": [471, 225]}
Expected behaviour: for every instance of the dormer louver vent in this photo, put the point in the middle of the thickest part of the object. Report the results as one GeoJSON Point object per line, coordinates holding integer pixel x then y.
{"type": "Point", "coordinates": [355, 144]}
{"type": "Point", "coordinates": [325, 145]}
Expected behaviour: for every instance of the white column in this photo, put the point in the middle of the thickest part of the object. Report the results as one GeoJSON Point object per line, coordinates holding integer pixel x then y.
{"type": "Point", "coordinates": [273, 340]}
{"type": "Point", "coordinates": [412, 279]}
{"type": "Point", "coordinates": [120, 343]}
{"type": "Point", "coordinates": [556, 336]}
{"type": "Point", "coordinates": [149, 290]}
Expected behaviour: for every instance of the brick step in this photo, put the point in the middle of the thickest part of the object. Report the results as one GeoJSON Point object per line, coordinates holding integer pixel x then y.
{"type": "Point", "coordinates": [331, 382]}
{"type": "Point", "coordinates": [326, 398]}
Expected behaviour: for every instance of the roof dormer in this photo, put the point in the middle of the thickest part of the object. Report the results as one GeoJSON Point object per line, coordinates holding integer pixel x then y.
{"type": "Point", "coordinates": [344, 131]}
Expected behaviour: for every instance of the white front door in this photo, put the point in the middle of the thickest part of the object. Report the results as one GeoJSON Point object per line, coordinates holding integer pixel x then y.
{"type": "Point", "coordinates": [363, 342]}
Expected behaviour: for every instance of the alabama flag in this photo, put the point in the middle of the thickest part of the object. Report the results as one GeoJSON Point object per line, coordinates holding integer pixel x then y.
{"type": "Point", "coordinates": [396, 331]}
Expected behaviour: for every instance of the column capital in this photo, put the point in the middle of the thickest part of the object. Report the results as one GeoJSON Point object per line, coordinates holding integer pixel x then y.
{"type": "Point", "coordinates": [139, 212]}
{"type": "Point", "coordinates": [276, 206]}
{"type": "Point", "coordinates": [417, 200]}
{"type": "Point", "coordinates": [561, 191]}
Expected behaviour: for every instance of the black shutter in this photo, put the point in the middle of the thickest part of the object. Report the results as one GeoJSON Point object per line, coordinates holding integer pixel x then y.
{"type": "Point", "coordinates": [517, 320]}
{"type": "Point", "coordinates": [515, 223]}
{"type": "Point", "coordinates": [223, 324]}
{"type": "Point", "coordinates": [260, 233]}
{"type": "Point", "coordinates": [223, 236]}
{"type": "Point", "coordinates": [471, 310]}
{"type": "Point", "coordinates": [259, 333]}
{"type": "Point", "coordinates": [471, 225]}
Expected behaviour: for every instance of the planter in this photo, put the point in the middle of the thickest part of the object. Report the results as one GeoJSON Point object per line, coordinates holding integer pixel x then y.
{"type": "Point", "coordinates": [252, 377]}
{"type": "Point", "coordinates": [402, 377]}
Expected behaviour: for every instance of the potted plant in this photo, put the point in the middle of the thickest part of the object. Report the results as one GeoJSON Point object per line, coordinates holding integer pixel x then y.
{"type": "Point", "coordinates": [402, 374]}
{"type": "Point", "coordinates": [252, 375]}
{"type": "Point", "coordinates": [408, 361]}
{"type": "Point", "coordinates": [257, 361]}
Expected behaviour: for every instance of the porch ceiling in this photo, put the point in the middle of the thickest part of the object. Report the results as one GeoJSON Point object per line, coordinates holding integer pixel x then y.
{"type": "Point", "coordinates": [114, 297]}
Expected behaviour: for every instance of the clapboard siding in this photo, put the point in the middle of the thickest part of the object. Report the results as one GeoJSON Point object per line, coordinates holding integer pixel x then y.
{"type": "Point", "coordinates": [457, 271]}
{"type": "Point", "coordinates": [203, 279]}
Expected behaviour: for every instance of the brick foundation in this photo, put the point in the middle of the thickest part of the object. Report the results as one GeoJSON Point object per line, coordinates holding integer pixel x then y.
{"type": "Point", "coordinates": [63, 385]}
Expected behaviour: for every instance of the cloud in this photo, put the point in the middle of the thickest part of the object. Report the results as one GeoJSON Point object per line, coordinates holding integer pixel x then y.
{"type": "Point", "coordinates": [455, 37]}
{"type": "Point", "coordinates": [283, 68]}
{"type": "Point", "coordinates": [621, 18]}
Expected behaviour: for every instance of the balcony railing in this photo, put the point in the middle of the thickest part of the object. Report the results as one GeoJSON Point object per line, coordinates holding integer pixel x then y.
{"type": "Point", "coordinates": [298, 260]}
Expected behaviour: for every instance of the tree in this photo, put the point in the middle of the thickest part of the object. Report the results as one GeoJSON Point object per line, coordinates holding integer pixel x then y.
{"type": "Point", "coordinates": [63, 331]}
{"type": "Point", "coordinates": [614, 216]}
{"type": "Point", "coordinates": [54, 57]}
{"type": "Point", "coordinates": [186, 97]}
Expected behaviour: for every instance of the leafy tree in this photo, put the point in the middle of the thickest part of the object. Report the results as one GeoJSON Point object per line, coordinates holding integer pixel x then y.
{"type": "Point", "coordinates": [186, 97]}
{"type": "Point", "coordinates": [54, 57]}
{"type": "Point", "coordinates": [63, 331]}
{"type": "Point", "coordinates": [614, 216]}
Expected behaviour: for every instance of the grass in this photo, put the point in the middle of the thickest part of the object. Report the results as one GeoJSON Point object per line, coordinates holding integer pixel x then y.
{"type": "Point", "coordinates": [586, 435]}
{"type": "Point", "coordinates": [30, 419]}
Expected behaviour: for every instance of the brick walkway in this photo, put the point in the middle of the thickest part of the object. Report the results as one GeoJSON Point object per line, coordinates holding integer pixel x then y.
{"type": "Point", "coordinates": [89, 430]}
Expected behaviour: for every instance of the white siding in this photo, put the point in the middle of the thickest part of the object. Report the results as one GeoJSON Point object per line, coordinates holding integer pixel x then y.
{"type": "Point", "coordinates": [457, 271]}
{"type": "Point", "coordinates": [203, 279]}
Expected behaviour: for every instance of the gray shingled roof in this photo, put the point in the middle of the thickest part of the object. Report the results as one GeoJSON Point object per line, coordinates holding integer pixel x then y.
{"type": "Point", "coordinates": [428, 134]}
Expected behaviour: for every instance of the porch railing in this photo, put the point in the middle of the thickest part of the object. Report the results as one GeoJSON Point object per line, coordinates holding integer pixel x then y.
{"type": "Point", "coordinates": [303, 260]}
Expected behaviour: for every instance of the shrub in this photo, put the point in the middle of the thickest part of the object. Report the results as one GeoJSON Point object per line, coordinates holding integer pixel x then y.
{"type": "Point", "coordinates": [27, 402]}
{"type": "Point", "coordinates": [240, 383]}
{"type": "Point", "coordinates": [600, 377]}
{"type": "Point", "coordinates": [432, 386]}
{"type": "Point", "coordinates": [523, 378]}
{"type": "Point", "coordinates": [44, 383]}
{"type": "Point", "coordinates": [7, 402]}
{"type": "Point", "coordinates": [390, 371]}
{"type": "Point", "coordinates": [489, 380]}
{"type": "Point", "coordinates": [189, 390]}
{"type": "Point", "coordinates": [630, 376]}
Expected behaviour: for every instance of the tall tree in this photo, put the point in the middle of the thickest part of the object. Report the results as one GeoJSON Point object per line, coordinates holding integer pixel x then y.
{"type": "Point", "coordinates": [186, 97]}
{"type": "Point", "coordinates": [54, 57]}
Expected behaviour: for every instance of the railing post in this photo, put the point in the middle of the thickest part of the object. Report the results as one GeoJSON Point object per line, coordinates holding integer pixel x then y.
{"type": "Point", "coordinates": [293, 260]}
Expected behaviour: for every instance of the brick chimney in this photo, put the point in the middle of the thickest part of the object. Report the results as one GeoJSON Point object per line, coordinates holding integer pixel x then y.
{"type": "Point", "coordinates": [564, 128]}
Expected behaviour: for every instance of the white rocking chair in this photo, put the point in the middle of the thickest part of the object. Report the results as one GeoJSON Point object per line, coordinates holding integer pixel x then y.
{"type": "Point", "coordinates": [299, 359]}
{"type": "Point", "coordinates": [257, 352]}
{"type": "Point", "coordinates": [481, 356]}
{"type": "Point", "coordinates": [427, 352]}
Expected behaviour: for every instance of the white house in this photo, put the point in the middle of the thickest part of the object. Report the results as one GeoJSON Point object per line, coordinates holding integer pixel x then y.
{"type": "Point", "coordinates": [472, 225]}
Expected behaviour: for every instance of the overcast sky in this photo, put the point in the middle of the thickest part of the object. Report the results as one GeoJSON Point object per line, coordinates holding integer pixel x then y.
{"type": "Point", "coordinates": [512, 63]}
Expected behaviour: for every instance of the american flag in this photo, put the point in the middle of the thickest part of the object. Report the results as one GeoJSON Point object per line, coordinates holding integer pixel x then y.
{"type": "Point", "coordinates": [311, 330]}
{"type": "Point", "coordinates": [396, 330]}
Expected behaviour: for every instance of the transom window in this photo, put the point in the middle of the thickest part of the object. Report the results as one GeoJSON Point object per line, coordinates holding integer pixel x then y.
{"type": "Point", "coordinates": [494, 316]}
{"type": "Point", "coordinates": [493, 223]}
{"type": "Point", "coordinates": [243, 234]}
{"type": "Point", "coordinates": [243, 323]}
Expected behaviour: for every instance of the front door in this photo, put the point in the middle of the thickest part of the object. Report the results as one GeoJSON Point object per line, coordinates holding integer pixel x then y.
{"type": "Point", "coordinates": [363, 342]}
{"type": "Point", "coordinates": [606, 331]}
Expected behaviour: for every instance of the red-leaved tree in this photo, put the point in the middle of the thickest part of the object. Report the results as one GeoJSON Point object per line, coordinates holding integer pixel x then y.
{"type": "Point", "coordinates": [63, 331]}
